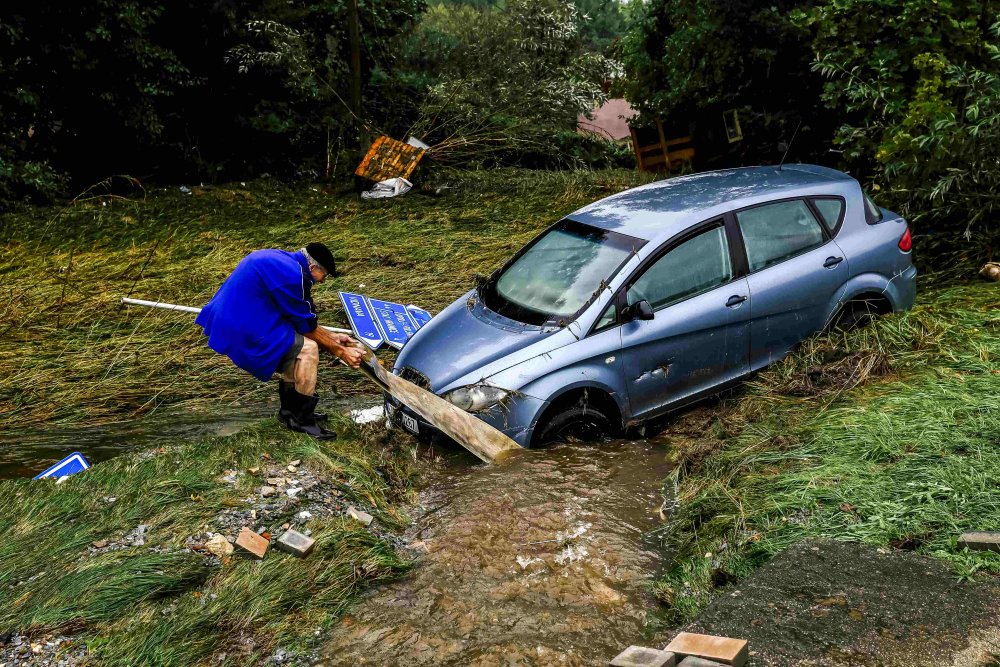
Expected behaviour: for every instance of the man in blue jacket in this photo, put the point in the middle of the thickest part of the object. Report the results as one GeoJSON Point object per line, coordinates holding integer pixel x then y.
{"type": "Point", "coordinates": [263, 318]}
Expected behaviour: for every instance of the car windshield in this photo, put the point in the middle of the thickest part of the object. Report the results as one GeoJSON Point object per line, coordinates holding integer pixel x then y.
{"type": "Point", "coordinates": [559, 273]}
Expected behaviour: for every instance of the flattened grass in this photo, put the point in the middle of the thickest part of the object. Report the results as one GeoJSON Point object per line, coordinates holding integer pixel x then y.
{"type": "Point", "coordinates": [906, 457]}
{"type": "Point", "coordinates": [74, 355]}
{"type": "Point", "coordinates": [163, 604]}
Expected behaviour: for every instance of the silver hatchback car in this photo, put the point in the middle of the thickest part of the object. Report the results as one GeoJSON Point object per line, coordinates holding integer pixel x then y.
{"type": "Point", "coordinates": [658, 296]}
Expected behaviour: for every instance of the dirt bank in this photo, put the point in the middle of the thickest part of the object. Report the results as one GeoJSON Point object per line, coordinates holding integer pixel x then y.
{"type": "Point", "coordinates": [833, 604]}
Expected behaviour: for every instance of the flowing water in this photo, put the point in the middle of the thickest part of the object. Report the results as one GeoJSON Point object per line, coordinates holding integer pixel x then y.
{"type": "Point", "coordinates": [544, 560]}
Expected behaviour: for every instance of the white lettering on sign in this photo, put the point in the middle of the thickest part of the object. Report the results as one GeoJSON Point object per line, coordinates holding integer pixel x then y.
{"type": "Point", "coordinates": [356, 304]}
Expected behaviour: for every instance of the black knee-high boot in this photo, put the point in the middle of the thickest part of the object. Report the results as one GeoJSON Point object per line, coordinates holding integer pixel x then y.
{"type": "Point", "coordinates": [302, 416]}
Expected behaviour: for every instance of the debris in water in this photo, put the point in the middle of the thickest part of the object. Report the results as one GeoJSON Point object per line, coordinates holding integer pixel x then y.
{"type": "Point", "coordinates": [368, 415]}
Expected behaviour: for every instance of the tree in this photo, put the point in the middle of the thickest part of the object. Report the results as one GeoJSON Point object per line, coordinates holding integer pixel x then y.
{"type": "Point", "coordinates": [916, 85]}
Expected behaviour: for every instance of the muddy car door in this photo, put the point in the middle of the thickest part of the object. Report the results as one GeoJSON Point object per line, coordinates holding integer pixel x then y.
{"type": "Point", "coordinates": [698, 334]}
{"type": "Point", "coordinates": [796, 275]}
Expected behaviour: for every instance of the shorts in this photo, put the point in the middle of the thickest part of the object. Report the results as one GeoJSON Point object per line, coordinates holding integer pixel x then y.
{"type": "Point", "coordinates": [286, 367]}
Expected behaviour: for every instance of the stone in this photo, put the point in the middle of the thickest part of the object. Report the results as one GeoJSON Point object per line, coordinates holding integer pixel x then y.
{"type": "Point", "coordinates": [295, 462]}
{"type": "Point", "coordinates": [695, 661]}
{"type": "Point", "coordinates": [979, 541]}
{"type": "Point", "coordinates": [99, 544]}
{"type": "Point", "coordinates": [267, 491]}
{"type": "Point", "coordinates": [293, 492]}
{"type": "Point", "coordinates": [252, 543]}
{"type": "Point", "coordinates": [304, 515]}
{"type": "Point", "coordinates": [295, 543]}
{"type": "Point", "coordinates": [721, 649]}
{"type": "Point", "coordinates": [640, 656]}
{"type": "Point", "coordinates": [276, 481]}
{"type": "Point", "coordinates": [358, 515]}
{"type": "Point", "coordinates": [219, 546]}
{"type": "Point", "coordinates": [292, 469]}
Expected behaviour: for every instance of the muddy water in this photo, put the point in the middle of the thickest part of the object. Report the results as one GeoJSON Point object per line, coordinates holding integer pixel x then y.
{"type": "Point", "coordinates": [541, 561]}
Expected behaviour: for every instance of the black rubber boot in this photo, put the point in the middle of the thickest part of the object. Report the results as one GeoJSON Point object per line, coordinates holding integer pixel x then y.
{"type": "Point", "coordinates": [288, 403]}
{"type": "Point", "coordinates": [303, 417]}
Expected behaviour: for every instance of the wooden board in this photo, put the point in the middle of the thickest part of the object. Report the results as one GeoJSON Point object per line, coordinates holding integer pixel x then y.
{"type": "Point", "coordinates": [474, 434]}
{"type": "Point", "coordinates": [388, 158]}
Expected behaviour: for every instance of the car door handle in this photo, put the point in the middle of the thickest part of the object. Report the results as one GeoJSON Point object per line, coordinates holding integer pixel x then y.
{"type": "Point", "coordinates": [735, 300]}
{"type": "Point", "coordinates": [832, 262]}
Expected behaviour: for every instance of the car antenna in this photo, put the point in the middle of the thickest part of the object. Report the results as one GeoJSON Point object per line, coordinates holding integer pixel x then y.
{"type": "Point", "coordinates": [789, 146]}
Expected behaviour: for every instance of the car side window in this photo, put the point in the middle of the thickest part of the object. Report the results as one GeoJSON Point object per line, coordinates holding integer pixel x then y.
{"type": "Point", "coordinates": [830, 211]}
{"type": "Point", "coordinates": [609, 317]}
{"type": "Point", "coordinates": [777, 231]}
{"type": "Point", "coordinates": [698, 264]}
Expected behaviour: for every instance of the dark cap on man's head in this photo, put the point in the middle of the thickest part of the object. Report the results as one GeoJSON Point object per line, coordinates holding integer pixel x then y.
{"type": "Point", "coordinates": [322, 256]}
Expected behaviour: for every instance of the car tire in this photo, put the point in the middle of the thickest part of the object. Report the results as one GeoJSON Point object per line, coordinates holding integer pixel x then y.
{"type": "Point", "coordinates": [578, 421]}
{"type": "Point", "coordinates": [854, 318]}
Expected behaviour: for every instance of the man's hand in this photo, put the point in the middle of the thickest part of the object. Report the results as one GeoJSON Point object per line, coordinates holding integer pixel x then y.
{"type": "Point", "coordinates": [341, 346]}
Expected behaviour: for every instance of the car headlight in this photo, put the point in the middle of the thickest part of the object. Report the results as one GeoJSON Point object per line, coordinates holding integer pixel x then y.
{"type": "Point", "coordinates": [475, 397]}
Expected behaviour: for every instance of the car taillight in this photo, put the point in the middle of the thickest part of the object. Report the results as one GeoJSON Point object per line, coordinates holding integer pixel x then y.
{"type": "Point", "coordinates": [906, 243]}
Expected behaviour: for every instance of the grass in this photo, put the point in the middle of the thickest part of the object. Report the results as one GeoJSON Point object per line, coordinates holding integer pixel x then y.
{"type": "Point", "coordinates": [76, 356]}
{"type": "Point", "coordinates": [889, 435]}
{"type": "Point", "coordinates": [164, 604]}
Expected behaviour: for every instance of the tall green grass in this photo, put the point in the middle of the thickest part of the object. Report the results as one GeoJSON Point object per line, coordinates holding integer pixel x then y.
{"type": "Point", "coordinates": [889, 435]}
{"type": "Point", "coordinates": [163, 604]}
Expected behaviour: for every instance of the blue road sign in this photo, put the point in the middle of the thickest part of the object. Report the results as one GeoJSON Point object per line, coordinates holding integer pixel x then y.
{"type": "Point", "coordinates": [419, 315]}
{"type": "Point", "coordinates": [396, 323]}
{"type": "Point", "coordinates": [70, 465]}
{"type": "Point", "coordinates": [362, 319]}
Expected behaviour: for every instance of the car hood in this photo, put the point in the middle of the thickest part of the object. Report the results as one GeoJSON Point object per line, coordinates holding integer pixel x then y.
{"type": "Point", "coordinates": [469, 339]}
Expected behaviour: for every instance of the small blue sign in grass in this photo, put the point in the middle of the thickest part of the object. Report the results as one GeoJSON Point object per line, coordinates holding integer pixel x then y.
{"type": "Point", "coordinates": [70, 465]}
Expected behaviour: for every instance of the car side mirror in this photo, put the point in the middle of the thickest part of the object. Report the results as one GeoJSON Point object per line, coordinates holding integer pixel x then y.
{"type": "Point", "coordinates": [640, 310]}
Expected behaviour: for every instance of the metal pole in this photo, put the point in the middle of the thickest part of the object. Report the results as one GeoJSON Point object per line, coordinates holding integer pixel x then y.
{"type": "Point", "coordinates": [190, 309]}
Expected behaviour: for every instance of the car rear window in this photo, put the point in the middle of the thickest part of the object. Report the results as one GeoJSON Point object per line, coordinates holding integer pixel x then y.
{"type": "Point", "coordinates": [872, 212]}
{"type": "Point", "coordinates": [830, 210]}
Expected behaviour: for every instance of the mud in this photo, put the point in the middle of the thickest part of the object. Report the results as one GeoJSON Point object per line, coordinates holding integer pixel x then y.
{"type": "Point", "coordinates": [830, 604]}
{"type": "Point", "coordinates": [541, 561]}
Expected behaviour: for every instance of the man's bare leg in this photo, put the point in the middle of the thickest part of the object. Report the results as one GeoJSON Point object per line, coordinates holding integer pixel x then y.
{"type": "Point", "coordinates": [306, 368]}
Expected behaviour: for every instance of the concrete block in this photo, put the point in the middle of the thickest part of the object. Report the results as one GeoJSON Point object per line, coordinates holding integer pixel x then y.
{"type": "Point", "coordinates": [979, 541]}
{"type": "Point", "coordinates": [295, 543]}
{"type": "Point", "coordinates": [358, 515]}
{"type": "Point", "coordinates": [720, 649]}
{"type": "Point", "coordinates": [253, 544]}
{"type": "Point", "coordinates": [640, 656]}
{"type": "Point", "coordinates": [695, 661]}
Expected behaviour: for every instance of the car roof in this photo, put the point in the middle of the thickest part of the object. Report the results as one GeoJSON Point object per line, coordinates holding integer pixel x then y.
{"type": "Point", "coordinates": [650, 211]}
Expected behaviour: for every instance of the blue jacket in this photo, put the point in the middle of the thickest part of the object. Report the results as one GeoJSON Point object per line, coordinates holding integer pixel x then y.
{"type": "Point", "coordinates": [253, 317]}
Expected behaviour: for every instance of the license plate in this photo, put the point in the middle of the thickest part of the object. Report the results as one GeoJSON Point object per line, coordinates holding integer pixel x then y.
{"type": "Point", "coordinates": [409, 423]}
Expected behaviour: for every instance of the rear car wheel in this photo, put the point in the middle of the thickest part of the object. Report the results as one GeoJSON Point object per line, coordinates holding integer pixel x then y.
{"type": "Point", "coordinates": [576, 422]}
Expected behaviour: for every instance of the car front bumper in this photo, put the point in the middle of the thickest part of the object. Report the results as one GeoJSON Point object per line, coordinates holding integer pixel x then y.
{"type": "Point", "coordinates": [516, 420]}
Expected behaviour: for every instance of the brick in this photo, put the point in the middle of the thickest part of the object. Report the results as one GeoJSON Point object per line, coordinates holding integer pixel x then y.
{"type": "Point", "coordinates": [695, 661]}
{"type": "Point", "coordinates": [253, 544]}
{"type": "Point", "coordinates": [358, 515]}
{"type": "Point", "coordinates": [979, 541]}
{"type": "Point", "coordinates": [721, 649]}
{"type": "Point", "coordinates": [640, 656]}
{"type": "Point", "coordinates": [295, 543]}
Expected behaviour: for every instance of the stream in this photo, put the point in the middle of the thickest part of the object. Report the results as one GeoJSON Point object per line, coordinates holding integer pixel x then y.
{"type": "Point", "coordinates": [543, 560]}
